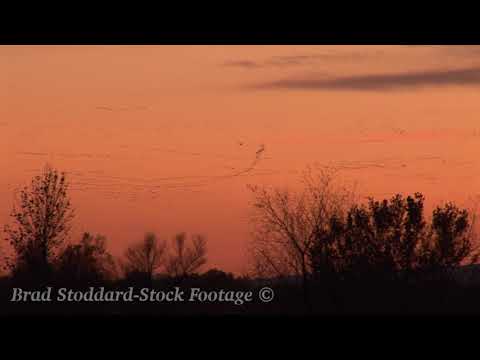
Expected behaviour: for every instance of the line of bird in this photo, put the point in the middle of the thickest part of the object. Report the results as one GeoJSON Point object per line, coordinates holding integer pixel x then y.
{"type": "Point", "coordinates": [116, 186]}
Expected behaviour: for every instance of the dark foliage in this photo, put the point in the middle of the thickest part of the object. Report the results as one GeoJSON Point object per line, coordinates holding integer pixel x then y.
{"type": "Point", "coordinates": [391, 239]}
{"type": "Point", "coordinates": [87, 262]}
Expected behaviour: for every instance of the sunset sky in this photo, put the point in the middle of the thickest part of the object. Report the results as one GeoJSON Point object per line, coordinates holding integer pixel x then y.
{"type": "Point", "coordinates": [166, 138]}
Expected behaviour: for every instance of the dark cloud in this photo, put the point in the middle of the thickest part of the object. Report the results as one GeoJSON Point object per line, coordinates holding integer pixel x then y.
{"type": "Point", "coordinates": [377, 82]}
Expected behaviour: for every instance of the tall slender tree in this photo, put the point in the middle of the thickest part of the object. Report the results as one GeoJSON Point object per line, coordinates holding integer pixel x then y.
{"type": "Point", "coordinates": [41, 222]}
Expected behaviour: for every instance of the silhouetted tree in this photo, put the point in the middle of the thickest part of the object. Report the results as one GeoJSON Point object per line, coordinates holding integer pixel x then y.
{"type": "Point", "coordinates": [391, 238]}
{"type": "Point", "coordinates": [89, 261]}
{"type": "Point", "coordinates": [380, 238]}
{"type": "Point", "coordinates": [287, 225]}
{"type": "Point", "coordinates": [216, 275]}
{"type": "Point", "coordinates": [41, 222]}
{"type": "Point", "coordinates": [145, 259]}
{"type": "Point", "coordinates": [218, 279]}
{"type": "Point", "coordinates": [451, 241]}
{"type": "Point", "coordinates": [185, 260]}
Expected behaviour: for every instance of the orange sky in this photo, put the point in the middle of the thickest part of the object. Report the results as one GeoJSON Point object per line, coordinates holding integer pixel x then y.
{"type": "Point", "coordinates": [150, 135]}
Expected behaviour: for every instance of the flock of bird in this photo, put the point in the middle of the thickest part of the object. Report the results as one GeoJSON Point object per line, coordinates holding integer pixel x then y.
{"type": "Point", "coordinates": [132, 187]}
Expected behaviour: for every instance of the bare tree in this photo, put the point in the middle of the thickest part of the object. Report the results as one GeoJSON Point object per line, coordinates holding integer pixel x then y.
{"type": "Point", "coordinates": [145, 258]}
{"type": "Point", "coordinates": [286, 224]}
{"type": "Point", "coordinates": [41, 222]}
{"type": "Point", "coordinates": [186, 260]}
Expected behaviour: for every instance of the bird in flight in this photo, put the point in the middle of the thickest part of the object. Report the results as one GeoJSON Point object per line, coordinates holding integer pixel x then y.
{"type": "Point", "coordinates": [259, 151]}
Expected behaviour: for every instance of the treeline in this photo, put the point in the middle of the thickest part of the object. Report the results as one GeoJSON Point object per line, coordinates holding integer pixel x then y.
{"type": "Point", "coordinates": [319, 248]}
{"type": "Point", "coordinates": [41, 252]}
{"type": "Point", "coordinates": [332, 243]}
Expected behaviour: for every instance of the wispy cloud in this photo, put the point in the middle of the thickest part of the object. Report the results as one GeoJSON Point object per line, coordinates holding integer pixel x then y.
{"type": "Point", "coordinates": [131, 108]}
{"type": "Point", "coordinates": [459, 50]}
{"type": "Point", "coordinates": [304, 59]}
{"type": "Point", "coordinates": [380, 82]}
{"type": "Point", "coordinates": [248, 64]}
